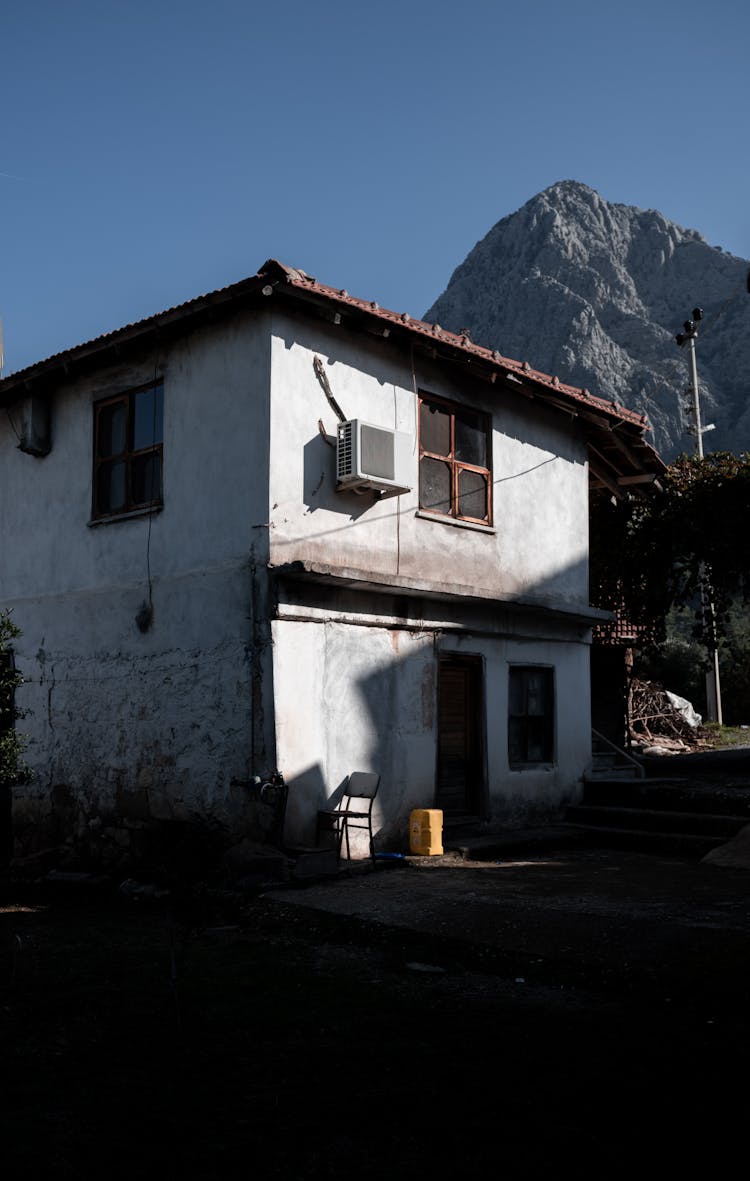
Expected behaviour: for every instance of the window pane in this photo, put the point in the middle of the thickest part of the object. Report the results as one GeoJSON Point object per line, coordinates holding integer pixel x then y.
{"type": "Point", "coordinates": [113, 429]}
{"type": "Point", "coordinates": [145, 477]}
{"type": "Point", "coordinates": [535, 693]}
{"type": "Point", "coordinates": [516, 690]}
{"type": "Point", "coordinates": [531, 715]}
{"type": "Point", "coordinates": [536, 745]}
{"type": "Point", "coordinates": [435, 485]}
{"type": "Point", "coordinates": [111, 487]}
{"type": "Point", "coordinates": [148, 428]}
{"type": "Point", "coordinates": [517, 740]}
{"type": "Point", "coordinates": [434, 429]}
{"type": "Point", "coordinates": [471, 439]}
{"type": "Point", "coordinates": [472, 495]}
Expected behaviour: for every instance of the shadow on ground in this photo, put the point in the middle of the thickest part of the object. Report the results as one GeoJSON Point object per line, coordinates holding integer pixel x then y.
{"type": "Point", "coordinates": [580, 1012]}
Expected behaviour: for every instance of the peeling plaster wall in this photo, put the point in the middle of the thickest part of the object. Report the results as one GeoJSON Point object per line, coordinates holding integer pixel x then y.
{"type": "Point", "coordinates": [539, 546]}
{"type": "Point", "coordinates": [145, 726]}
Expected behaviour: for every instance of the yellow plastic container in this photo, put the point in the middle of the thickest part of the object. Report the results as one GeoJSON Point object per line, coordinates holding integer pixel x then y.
{"type": "Point", "coordinates": [426, 832]}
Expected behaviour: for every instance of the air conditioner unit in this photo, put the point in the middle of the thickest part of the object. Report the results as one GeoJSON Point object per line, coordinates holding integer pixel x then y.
{"type": "Point", "coordinates": [372, 457]}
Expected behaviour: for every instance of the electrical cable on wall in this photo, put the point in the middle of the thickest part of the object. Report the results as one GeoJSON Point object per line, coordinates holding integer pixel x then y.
{"type": "Point", "coordinates": [322, 377]}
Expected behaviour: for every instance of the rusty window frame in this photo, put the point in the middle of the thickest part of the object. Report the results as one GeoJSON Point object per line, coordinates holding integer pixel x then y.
{"type": "Point", "coordinates": [456, 410]}
{"type": "Point", "coordinates": [130, 454]}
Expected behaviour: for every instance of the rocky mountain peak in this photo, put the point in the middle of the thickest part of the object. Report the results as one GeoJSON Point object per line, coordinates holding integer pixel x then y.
{"type": "Point", "coordinates": [594, 292]}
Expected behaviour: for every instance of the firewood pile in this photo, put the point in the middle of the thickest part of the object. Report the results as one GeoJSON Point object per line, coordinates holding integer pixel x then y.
{"type": "Point", "coordinates": [654, 720]}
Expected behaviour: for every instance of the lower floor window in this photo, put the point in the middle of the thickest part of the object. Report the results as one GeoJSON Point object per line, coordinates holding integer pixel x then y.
{"type": "Point", "coordinates": [530, 715]}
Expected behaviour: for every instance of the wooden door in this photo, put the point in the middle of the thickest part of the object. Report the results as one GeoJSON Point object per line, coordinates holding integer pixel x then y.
{"type": "Point", "coordinates": [460, 759]}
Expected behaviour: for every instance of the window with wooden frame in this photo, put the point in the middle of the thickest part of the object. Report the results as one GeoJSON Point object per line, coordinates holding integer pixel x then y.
{"type": "Point", "coordinates": [455, 461]}
{"type": "Point", "coordinates": [128, 451]}
{"type": "Point", "coordinates": [531, 715]}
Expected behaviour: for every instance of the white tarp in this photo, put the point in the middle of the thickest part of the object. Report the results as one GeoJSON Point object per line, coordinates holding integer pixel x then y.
{"type": "Point", "coordinates": [684, 709]}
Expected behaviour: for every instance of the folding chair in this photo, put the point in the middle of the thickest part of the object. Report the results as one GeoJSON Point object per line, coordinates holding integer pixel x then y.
{"type": "Point", "coordinates": [354, 811]}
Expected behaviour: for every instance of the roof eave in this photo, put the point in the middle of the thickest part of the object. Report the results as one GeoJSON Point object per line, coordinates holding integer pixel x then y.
{"type": "Point", "coordinates": [71, 361]}
{"type": "Point", "coordinates": [629, 456]}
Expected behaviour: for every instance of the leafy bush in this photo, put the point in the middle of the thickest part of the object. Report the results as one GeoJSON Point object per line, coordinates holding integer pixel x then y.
{"type": "Point", "coordinates": [12, 745]}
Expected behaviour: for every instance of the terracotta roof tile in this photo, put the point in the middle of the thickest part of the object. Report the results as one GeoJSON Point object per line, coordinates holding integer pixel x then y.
{"type": "Point", "coordinates": [305, 282]}
{"type": "Point", "coordinates": [274, 273]}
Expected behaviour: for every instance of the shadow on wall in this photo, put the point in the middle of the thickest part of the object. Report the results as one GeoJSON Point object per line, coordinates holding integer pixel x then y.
{"type": "Point", "coordinates": [399, 700]}
{"type": "Point", "coordinates": [306, 793]}
{"type": "Point", "coordinates": [375, 712]}
{"type": "Point", "coordinates": [371, 704]}
{"type": "Point", "coordinates": [319, 481]}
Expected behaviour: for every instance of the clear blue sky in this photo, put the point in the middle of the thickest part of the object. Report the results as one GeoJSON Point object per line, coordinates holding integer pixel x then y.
{"type": "Point", "coordinates": [155, 150]}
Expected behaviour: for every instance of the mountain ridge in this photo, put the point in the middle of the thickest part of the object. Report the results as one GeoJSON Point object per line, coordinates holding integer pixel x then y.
{"type": "Point", "coordinates": [594, 292]}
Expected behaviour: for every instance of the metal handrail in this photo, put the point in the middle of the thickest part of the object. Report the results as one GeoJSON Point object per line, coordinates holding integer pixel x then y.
{"type": "Point", "coordinates": [622, 755]}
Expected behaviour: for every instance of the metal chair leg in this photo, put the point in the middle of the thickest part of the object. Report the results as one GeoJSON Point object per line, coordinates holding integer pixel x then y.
{"type": "Point", "coordinates": [340, 825]}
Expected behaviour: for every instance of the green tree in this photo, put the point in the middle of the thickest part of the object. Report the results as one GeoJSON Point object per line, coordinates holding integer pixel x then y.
{"type": "Point", "coordinates": [650, 554]}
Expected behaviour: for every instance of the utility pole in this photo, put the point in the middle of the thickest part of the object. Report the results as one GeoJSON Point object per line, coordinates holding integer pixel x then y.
{"type": "Point", "coordinates": [713, 680]}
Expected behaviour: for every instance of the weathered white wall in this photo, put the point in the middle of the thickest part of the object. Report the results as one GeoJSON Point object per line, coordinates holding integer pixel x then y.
{"type": "Point", "coordinates": [155, 724]}
{"type": "Point", "coordinates": [144, 727]}
{"type": "Point", "coordinates": [365, 698]}
{"type": "Point", "coordinates": [538, 547]}
{"type": "Point", "coordinates": [354, 699]}
{"type": "Point", "coordinates": [520, 796]}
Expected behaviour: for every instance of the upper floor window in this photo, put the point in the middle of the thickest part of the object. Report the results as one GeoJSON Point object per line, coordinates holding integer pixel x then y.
{"type": "Point", "coordinates": [455, 464]}
{"type": "Point", "coordinates": [128, 451]}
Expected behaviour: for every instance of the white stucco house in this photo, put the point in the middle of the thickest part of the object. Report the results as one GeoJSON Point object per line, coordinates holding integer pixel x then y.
{"type": "Point", "coordinates": [279, 526]}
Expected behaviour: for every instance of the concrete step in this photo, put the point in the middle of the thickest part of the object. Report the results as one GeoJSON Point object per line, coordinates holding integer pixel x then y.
{"type": "Point", "coordinates": [512, 843]}
{"type": "Point", "coordinates": [604, 758]}
{"type": "Point", "coordinates": [678, 843]}
{"type": "Point", "coordinates": [611, 774]}
{"type": "Point", "coordinates": [710, 825]}
{"type": "Point", "coordinates": [668, 795]}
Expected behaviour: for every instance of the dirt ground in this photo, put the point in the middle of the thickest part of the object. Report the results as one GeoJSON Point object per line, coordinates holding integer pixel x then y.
{"type": "Point", "coordinates": [578, 1011]}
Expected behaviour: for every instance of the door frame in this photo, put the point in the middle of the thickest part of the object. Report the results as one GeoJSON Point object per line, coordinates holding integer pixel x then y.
{"type": "Point", "coordinates": [475, 800]}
